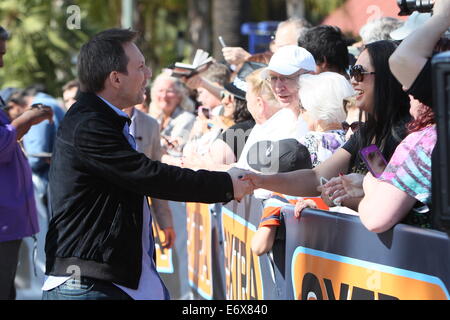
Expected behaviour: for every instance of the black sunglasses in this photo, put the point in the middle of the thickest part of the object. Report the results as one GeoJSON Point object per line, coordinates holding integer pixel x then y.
{"type": "Point", "coordinates": [357, 72]}
{"type": "Point", "coordinates": [354, 126]}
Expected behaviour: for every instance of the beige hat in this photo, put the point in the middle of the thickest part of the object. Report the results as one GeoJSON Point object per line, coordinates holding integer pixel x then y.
{"type": "Point", "coordinates": [414, 21]}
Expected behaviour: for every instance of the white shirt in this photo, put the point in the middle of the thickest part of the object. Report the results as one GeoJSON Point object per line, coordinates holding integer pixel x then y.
{"type": "Point", "coordinates": [282, 125]}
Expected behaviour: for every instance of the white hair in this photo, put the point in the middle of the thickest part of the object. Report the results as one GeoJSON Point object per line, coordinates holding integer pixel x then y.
{"type": "Point", "coordinates": [323, 94]}
{"type": "Point", "coordinates": [379, 29]}
{"type": "Point", "coordinates": [186, 102]}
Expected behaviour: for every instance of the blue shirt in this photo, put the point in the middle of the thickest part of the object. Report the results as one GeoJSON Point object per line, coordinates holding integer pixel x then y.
{"type": "Point", "coordinates": [41, 137]}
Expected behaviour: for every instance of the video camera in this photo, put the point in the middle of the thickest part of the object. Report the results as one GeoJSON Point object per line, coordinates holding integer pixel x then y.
{"type": "Point", "coordinates": [407, 7]}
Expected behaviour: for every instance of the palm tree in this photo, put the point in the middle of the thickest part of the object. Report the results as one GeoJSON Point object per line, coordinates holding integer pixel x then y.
{"type": "Point", "coordinates": [42, 47]}
{"type": "Point", "coordinates": [227, 20]}
{"type": "Point", "coordinates": [200, 24]}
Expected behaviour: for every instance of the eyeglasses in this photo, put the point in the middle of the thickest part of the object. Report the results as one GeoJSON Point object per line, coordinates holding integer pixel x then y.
{"type": "Point", "coordinates": [354, 126]}
{"type": "Point", "coordinates": [283, 79]}
{"type": "Point", "coordinates": [357, 72]}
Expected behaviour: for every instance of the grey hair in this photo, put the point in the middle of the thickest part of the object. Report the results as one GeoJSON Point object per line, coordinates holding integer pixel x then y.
{"type": "Point", "coordinates": [186, 102]}
{"type": "Point", "coordinates": [301, 25]}
{"type": "Point", "coordinates": [379, 29]}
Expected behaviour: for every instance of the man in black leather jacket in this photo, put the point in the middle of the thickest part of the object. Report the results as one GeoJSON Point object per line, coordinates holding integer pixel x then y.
{"type": "Point", "coordinates": [98, 232]}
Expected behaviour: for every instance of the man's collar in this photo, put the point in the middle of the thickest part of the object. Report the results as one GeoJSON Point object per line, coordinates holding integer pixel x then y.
{"type": "Point", "coordinates": [116, 110]}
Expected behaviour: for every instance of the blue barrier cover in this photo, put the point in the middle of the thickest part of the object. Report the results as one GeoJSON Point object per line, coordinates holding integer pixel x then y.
{"type": "Point", "coordinates": [333, 256]}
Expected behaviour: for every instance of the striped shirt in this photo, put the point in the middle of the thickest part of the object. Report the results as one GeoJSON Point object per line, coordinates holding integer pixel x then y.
{"type": "Point", "coordinates": [410, 170]}
{"type": "Point", "coordinates": [271, 215]}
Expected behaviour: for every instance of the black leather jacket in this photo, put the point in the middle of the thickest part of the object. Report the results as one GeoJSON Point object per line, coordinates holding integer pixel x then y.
{"type": "Point", "coordinates": [97, 187]}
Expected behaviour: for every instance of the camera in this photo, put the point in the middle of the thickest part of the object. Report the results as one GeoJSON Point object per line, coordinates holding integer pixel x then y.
{"type": "Point", "coordinates": [407, 7]}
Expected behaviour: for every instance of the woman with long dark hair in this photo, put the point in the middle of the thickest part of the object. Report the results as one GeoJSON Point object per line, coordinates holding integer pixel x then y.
{"type": "Point", "coordinates": [403, 191]}
{"type": "Point", "coordinates": [381, 96]}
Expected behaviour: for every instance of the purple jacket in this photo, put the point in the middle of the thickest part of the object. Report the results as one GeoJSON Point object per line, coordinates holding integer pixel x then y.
{"type": "Point", "coordinates": [18, 214]}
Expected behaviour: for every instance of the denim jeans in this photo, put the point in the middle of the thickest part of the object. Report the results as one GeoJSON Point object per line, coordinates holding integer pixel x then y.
{"type": "Point", "coordinates": [85, 289]}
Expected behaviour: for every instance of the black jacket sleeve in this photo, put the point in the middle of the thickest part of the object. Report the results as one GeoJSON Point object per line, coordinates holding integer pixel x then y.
{"type": "Point", "coordinates": [107, 154]}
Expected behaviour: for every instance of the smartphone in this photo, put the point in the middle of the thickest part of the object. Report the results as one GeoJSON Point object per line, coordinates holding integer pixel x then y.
{"type": "Point", "coordinates": [205, 111]}
{"type": "Point", "coordinates": [374, 160]}
{"type": "Point", "coordinates": [222, 43]}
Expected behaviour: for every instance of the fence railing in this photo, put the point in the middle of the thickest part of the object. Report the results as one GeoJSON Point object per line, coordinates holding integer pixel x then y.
{"type": "Point", "coordinates": [323, 255]}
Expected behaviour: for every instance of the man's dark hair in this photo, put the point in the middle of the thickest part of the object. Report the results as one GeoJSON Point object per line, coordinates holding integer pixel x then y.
{"type": "Point", "coordinates": [4, 35]}
{"type": "Point", "coordinates": [103, 54]}
{"type": "Point", "coordinates": [327, 44]}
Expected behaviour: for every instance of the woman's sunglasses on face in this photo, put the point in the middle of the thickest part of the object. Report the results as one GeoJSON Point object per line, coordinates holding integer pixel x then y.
{"type": "Point", "coordinates": [357, 72]}
{"type": "Point", "coordinates": [354, 126]}
{"type": "Point", "coordinates": [225, 94]}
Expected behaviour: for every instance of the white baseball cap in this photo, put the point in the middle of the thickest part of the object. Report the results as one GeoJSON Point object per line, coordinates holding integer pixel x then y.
{"type": "Point", "coordinates": [290, 59]}
{"type": "Point", "coordinates": [415, 20]}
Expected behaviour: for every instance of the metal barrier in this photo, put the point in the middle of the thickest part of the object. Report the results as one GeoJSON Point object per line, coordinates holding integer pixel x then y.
{"type": "Point", "coordinates": [323, 255]}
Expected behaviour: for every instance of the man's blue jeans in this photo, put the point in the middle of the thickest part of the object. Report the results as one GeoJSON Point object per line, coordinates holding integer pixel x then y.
{"type": "Point", "coordinates": [85, 289]}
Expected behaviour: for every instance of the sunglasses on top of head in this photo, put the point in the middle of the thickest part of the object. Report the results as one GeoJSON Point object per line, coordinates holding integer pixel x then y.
{"type": "Point", "coordinates": [357, 72]}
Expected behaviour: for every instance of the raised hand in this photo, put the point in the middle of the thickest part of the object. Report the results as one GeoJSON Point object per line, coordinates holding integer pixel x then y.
{"type": "Point", "coordinates": [38, 113]}
{"type": "Point", "coordinates": [241, 187]}
{"type": "Point", "coordinates": [235, 55]}
{"type": "Point", "coordinates": [32, 116]}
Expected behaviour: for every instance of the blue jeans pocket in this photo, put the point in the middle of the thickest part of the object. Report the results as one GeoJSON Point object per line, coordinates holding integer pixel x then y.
{"type": "Point", "coordinates": [75, 288]}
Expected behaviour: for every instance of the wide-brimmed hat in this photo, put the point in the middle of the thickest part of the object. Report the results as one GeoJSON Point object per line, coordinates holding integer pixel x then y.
{"type": "Point", "coordinates": [415, 20]}
{"type": "Point", "coordinates": [239, 87]}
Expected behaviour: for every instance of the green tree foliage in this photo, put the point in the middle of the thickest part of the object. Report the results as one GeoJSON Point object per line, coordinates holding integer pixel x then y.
{"type": "Point", "coordinates": [163, 26]}
{"type": "Point", "coordinates": [42, 48]}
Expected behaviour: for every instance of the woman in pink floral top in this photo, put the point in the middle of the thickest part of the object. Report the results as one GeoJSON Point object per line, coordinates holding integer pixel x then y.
{"type": "Point", "coordinates": [403, 192]}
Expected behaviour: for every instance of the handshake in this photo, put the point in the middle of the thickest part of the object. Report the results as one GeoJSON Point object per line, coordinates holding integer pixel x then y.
{"type": "Point", "coordinates": [241, 186]}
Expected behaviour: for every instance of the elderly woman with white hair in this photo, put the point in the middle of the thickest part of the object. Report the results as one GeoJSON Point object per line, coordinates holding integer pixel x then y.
{"type": "Point", "coordinates": [322, 96]}
{"type": "Point", "coordinates": [172, 107]}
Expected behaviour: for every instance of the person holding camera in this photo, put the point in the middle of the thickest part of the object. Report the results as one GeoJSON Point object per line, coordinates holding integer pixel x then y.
{"type": "Point", "coordinates": [18, 214]}
{"type": "Point", "coordinates": [411, 62]}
